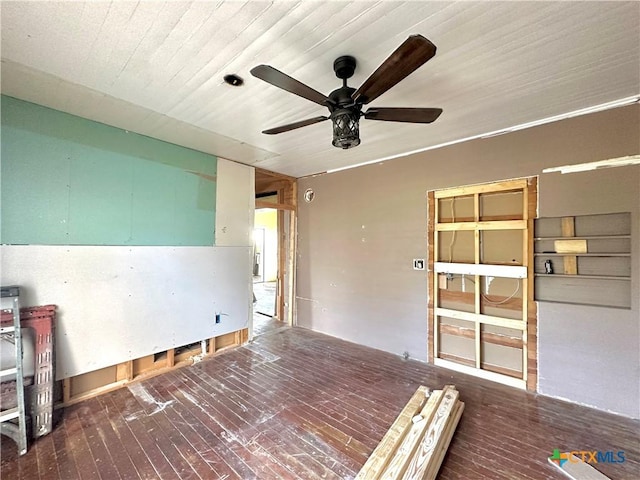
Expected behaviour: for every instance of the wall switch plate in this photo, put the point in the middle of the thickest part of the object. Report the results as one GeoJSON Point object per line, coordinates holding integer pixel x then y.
{"type": "Point", "coordinates": [418, 263]}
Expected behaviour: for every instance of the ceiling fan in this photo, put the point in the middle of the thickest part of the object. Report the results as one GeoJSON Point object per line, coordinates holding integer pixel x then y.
{"type": "Point", "coordinates": [345, 103]}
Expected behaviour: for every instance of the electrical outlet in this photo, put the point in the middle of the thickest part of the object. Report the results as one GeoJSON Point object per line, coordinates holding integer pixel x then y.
{"type": "Point", "coordinates": [418, 263]}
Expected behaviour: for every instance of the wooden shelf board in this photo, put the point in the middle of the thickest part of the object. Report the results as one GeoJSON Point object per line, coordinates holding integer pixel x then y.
{"type": "Point", "coordinates": [583, 304]}
{"type": "Point", "coordinates": [596, 277]}
{"type": "Point", "coordinates": [593, 254]}
{"type": "Point", "coordinates": [587, 237]}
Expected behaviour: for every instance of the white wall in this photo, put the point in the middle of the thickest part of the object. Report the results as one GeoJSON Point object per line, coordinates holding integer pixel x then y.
{"type": "Point", "coordinates": [120, 303]}
{"type": "Point", "coordinates": [235, 204]}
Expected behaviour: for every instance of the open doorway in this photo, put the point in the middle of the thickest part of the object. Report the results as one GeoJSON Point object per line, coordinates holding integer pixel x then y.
{"type": "Point", "coordinates": [265, 261]}
{"type": "Point", "coordinates": [274, 253]}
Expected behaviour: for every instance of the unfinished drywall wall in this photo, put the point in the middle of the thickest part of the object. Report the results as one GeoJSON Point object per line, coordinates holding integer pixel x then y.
{"type": "Point", "coordinates": [70, 181]}
{"type": "Point", "coordinates": [117, 230]}
{"type": "Point", "coordinates": [357, 239]}
{"type": "Point", "coordinates": [120, 303]}
{"type": "Point", "coordinates": [235, 204]}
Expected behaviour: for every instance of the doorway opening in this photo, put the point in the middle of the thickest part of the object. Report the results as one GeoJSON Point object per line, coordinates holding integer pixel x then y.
{"type": "Point", "coordinates": [274, 252]}
{"type": "Point", "coordinates": [265, 261]}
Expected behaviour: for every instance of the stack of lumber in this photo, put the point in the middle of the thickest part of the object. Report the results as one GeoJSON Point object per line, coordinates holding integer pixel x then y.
{"type": "Point", "coordinates": [416, 443]}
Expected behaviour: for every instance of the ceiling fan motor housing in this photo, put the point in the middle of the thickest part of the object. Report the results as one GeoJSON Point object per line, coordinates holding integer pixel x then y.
{"type": "Point", "coordinates": [344, 66]}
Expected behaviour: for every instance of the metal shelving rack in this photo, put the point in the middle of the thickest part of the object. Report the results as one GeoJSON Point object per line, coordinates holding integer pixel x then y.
{"type": "Point", "coordinates": [18, 432]}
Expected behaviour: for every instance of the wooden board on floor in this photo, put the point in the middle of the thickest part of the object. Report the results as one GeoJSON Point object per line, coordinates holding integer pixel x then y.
{"type": "Point", "coordinates": [392, 440]}
{"type": "Point", "coordinates": [576, 469]}
{"type": "Point", "coordinates": [415, 445]}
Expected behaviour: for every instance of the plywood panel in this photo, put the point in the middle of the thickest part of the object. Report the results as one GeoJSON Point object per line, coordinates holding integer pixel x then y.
{"type": "Point", "coordinates": [120, 303]}
{"type": "Point", "coordinates": [89, 381]}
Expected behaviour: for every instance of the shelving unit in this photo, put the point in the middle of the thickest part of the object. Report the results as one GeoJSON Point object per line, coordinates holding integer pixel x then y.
{"type": "Point", "coordinates": [600, 275]}
{"type": "Point", "coordinates": [13, 422]}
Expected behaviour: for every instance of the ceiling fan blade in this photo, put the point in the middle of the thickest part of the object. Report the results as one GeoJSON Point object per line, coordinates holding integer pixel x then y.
{"type": "Point", "coordinates": [285, 82]}
{"type": "Point", "coordinates": [293, 126]}
{"type": "Point", "coordinates": [411, 115]}
{"type": "Point", "coordinates": [412, 54]}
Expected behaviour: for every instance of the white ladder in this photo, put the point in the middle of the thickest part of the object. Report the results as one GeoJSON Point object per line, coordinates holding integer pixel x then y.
{"type": "Point", "coordinates": [18, 432]}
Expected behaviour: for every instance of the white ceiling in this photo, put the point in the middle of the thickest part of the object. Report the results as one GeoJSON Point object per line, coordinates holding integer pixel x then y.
{"type": "Point", "coordinates": [156, 68]}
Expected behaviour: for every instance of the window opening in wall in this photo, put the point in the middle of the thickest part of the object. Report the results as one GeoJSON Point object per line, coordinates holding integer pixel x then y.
{"type": "Point", "coordinates": [482, 318]}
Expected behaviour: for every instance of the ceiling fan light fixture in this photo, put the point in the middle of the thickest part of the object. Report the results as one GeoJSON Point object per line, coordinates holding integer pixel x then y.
{"type": "Point", "coordinates": [346, 128]}
{"type": "Point", "coordinates": [345, 103]}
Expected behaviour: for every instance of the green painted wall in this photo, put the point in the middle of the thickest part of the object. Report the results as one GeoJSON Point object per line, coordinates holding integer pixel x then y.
{"type": "Point", "coordinates": [71, 181]}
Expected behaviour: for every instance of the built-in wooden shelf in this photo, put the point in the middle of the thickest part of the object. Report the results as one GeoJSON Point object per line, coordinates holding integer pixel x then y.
{"type": "Point", "coordinates": [582, 304]}
{"type": "Point", "coordinates": [594, 254]}
{"type": "Point", "coordinates": [600, 277]}
{"type": "Point", "coordinates": [588, 237]}
{"type": "Point", "coordinates": [597, 273]}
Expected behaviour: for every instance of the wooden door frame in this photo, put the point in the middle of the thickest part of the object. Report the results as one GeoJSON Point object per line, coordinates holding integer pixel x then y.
{"type": "Point", "coordinates": [530, 201]}
{"type": "Point", "coordinates": [286, 190]}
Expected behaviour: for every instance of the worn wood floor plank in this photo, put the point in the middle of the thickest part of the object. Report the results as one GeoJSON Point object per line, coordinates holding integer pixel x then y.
{"type": "Point", "coordinates": [129, 444]}
{"type": "Point", "coordinates": [124, 403]}
{"type": "Point", "coordinates": [297, 404]}
{"type": "Point", "coordinates": [47, 461]}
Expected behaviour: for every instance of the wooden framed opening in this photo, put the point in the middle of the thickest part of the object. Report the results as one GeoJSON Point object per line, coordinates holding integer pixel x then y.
{"type": "Point", "coordinates": [482, 317]}
{"type": "Point", "coordinates": [277, 191]}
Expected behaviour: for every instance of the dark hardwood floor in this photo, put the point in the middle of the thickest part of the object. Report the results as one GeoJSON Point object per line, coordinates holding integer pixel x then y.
{"type": "Point", "coordinates": [302, 405]}
{"type": "Point", "coordinates": [263, 324]}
